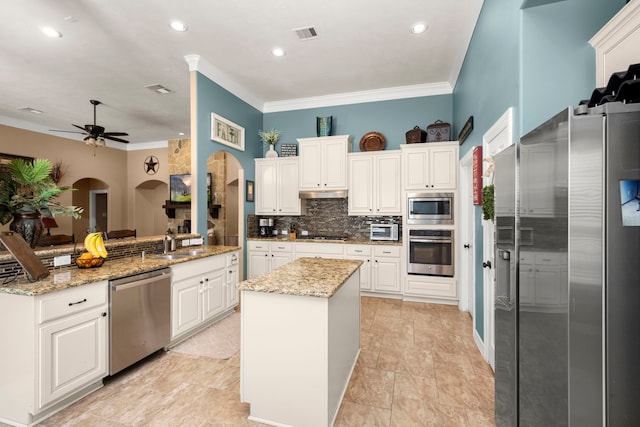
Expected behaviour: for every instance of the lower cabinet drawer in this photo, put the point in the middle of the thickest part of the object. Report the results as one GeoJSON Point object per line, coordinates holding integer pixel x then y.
{"type": "Point", "coordinates": [70, 301]}
{"type": "Point", "coordinates": [432, 287]}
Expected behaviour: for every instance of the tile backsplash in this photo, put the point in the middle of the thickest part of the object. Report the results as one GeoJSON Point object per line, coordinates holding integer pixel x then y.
{"type": "Point", "coordinates": [326, 217]}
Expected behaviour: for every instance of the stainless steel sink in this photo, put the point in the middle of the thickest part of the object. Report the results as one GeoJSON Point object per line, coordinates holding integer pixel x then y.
{"type": "Point", "coordinates": [178, 255]}
{"type": "Point", "coordinates": [195, 252]}
{"type": "Point", "coordinates": [170, 256]}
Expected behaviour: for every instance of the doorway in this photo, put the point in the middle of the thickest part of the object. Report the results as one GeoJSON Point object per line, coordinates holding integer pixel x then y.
{"type": "Point", "coordinates": [467, 236]}
{"type": "Point", "coordinates": [497, 138]}
{"type": "Point", "coordinates": [98, 210]}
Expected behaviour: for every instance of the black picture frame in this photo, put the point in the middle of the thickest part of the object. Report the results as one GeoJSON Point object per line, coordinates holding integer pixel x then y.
{"type": "Point", "coordinates": [466, 130]}
{"type": "Point", "coordinates": [250, 191]}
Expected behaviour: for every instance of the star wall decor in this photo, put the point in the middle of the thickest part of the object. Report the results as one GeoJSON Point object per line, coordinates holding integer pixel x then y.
{"type": "Point", "coordinates": [151, 165]}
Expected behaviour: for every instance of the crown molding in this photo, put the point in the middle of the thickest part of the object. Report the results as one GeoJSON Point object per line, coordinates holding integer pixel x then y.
{"type": "Point", "coordinates": [197, 63]}
{"type": "Point", "coordinates": [386, 94]}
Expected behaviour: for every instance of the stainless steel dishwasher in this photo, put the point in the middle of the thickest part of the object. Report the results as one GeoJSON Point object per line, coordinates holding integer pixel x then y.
{"type": "Point", "coordinates": [140, 317]}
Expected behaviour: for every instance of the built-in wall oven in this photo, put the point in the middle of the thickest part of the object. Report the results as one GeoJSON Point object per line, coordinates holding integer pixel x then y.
{"type": "Point", "coordinates": [429, 208]}
{"type": "Point", "coordinates": [431, 252]}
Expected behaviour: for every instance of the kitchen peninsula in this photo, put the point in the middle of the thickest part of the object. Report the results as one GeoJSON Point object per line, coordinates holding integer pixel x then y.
{"type": "Point", "coordinates": [300, 340]}
{"type": "Point", "coordinates": [58, 328]}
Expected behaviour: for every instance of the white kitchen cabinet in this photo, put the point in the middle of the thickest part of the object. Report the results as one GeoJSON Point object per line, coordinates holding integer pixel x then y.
{"type": "Point", "coordinates": [277, 186]}
{"type": "Point", "coordinates": [431, 288]}
{"type": "Point", "coordinates": [380, 271]}
{"type": "Point", "coordinates": [265, 256]}
{"type": "Point", "coordinates": [197, 294]}
{"type": "Point", "coordinates": [233, 276]}
{"type": "Point", "coordinates": [374, 184]}
{"type": "Point", "coordinates": [72, 341]}
{"type": "Point", "coordinates": [56, 350]}
{"type": "Point", "coordinates": [323, 163]}
{"type": "Point", "coordinates": [319, 250]}
{"type": "Point", "coordinates": [430, 166]}
{"type": "Point", "coordinates": [362, 253]}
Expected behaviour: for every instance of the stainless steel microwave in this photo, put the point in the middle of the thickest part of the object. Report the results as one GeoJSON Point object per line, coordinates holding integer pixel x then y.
{"type": "Point", "coordinates": [384, 232]}
{"type": "Point", "coordinates": [430, 208]}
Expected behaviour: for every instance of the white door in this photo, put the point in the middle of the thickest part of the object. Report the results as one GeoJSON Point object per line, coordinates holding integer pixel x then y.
{"type": "Point", "coordinates": [496, 139]}
{"type": "Point", "coordinates": [467, 236]}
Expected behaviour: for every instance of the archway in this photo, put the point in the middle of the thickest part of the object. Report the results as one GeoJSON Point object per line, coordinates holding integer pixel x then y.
{"type": "Point", "coordinates": [148, 218]}
{"type": "Point", "coordinates": [227, 191]}
{"type": "Point", "coordinates": [85, 187]}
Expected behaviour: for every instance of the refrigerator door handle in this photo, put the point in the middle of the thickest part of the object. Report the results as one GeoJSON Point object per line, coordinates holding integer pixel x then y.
{"type": "Point", "coordinates": [503, 276]}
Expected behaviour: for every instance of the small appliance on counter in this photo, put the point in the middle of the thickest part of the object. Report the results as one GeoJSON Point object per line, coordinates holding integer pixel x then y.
{"type": "Point", "coordinates": [265, 228]}
{"type": "Point", "coordinates": [383, 232]}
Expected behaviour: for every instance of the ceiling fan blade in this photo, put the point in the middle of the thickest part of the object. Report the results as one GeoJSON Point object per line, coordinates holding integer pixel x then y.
{"type": "Point", "coordinates": [106, 136]}
{"type": "Point", "coordinates": [115, 134]}
{"type": "Point", "coordinates": [81, 127]}
{"type": "Point", "coordinates": [67, 131]}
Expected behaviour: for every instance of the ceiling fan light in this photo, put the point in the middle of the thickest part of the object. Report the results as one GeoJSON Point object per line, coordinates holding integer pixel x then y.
{"type": "Point", "coordinates": [89, 140]}
{"type": "Point", "coordinates": [100, 142]}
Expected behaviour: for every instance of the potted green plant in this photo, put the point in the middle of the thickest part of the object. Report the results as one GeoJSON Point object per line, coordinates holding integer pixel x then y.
{"type": "Point", "coordinates": [28, 192]}
{"type": "Point", "coordinates": [271, 137]}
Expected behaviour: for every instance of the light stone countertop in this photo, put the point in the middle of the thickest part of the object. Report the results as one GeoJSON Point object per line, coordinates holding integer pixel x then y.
{"type": "Point", "coordinates": [313, 277]}
{"type": "Point", "coordinates": [111, 269]}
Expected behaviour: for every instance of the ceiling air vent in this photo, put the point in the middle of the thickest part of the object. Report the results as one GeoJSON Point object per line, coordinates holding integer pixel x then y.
{"type": "Point", "coordinates": [159, 89]}
{"type": "Point", "coordinates": [306, 33]}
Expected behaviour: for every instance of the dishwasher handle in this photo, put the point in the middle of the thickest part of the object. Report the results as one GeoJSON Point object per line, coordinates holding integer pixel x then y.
{"type": "Point", "coordinates": [136, 283]}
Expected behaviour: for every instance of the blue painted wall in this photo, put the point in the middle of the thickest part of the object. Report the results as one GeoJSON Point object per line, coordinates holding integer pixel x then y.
{"type": "Point", "coordinates": [558, 63]}
{"type": "Point", "coordinates": [487, 86]}
{"type": "Point", "coordinates": [391, 118]}
{"type": "Point", "coordinates": [212, 98]}
{"type": "Point", "coordinates": [536, 60]}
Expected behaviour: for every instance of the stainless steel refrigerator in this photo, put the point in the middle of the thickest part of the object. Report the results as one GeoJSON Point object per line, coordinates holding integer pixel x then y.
{"type": "Point", "coordinates": [567, 293]}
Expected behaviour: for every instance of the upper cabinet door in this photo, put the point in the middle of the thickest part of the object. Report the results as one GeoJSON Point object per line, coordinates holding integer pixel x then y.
{"type": "Point", "coordinates": [266, 187]}
{"type": "Point", "coordinates": [430, 166]}
{"type": "Point", "coordinates": [387, 184]}
{"type": "Point", "coordinates": [310, 165]}
{"type": "Point", "coordinates": [334, 163]}
{"type": "Point", "coordinates": [360, 184]}
{"type": "Point", "coordinates": [323, 163]}
{"type": "Point", "coordinates": [288, 193]}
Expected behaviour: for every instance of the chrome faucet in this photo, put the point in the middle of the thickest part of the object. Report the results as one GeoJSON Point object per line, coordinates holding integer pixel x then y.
{"type": "Point", "coordinates": [169, 243]}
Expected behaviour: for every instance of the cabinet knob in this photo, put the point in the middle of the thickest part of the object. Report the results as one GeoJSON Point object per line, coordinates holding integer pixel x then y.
{"type": "Point", "coordinates": [104, 314]}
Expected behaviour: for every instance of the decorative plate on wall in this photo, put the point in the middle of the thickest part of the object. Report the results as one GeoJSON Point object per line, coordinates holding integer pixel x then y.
{"type": "Point", "coordinates": [372, 141]}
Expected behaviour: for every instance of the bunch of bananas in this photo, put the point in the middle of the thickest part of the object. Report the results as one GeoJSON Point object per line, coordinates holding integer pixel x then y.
{"type": "Point", "coordinates": [94, 243]}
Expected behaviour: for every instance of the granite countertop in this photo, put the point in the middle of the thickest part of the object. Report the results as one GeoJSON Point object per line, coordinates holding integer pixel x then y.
{"type": "Point", "coordinates": [313, 277]}
{"type": "Point", "coordinates": [350, 241]}
{"type": "Point", "coordinates": [111, 269]}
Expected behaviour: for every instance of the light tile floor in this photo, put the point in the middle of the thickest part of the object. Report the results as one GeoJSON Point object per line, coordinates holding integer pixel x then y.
{"type": "Point", "coordinates": [418, 366]}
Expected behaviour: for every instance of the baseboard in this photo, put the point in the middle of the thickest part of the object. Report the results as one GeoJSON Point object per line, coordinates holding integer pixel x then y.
{"type": "Point", "coordinates": [480, 344]}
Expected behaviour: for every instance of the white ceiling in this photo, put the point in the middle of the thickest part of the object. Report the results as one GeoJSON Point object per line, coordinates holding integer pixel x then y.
{"type": "Point", "coordinates": [112, 49]}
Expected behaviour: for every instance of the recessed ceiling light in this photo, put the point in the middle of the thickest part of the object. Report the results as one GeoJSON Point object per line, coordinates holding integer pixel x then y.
{"type": "Point", "coordinates": [278, 52]}
{"type": "Point", "coordinates": [51, 32]}
{"type": "Point", "coordinates": [419, 28]}
{"type": "Point", "coordinates": [178, 26]}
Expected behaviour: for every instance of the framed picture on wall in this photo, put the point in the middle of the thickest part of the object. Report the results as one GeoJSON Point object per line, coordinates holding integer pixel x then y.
{"type": "Point", "coordinates": [250, 191]}
{"type": "Point", "coordinates": [226, 132]}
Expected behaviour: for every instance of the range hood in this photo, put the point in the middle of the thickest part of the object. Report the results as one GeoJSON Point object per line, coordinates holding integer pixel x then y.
{"type": "Point", "coordinates": [328, 194]}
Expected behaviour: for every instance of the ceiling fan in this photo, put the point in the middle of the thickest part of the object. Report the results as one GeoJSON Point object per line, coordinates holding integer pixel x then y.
{"type": "Point", "coordinates": [95, 135]}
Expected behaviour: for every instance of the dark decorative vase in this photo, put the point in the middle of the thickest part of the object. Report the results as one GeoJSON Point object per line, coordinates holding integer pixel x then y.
{"type": "Point", "coordinates": [324, 125]}
{"type": "Point", "coordinates": [28, 225]}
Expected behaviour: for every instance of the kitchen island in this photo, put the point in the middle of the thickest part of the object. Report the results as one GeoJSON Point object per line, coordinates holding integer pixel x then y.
{"type": "Point", "coordinates": [300, 341]}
